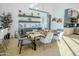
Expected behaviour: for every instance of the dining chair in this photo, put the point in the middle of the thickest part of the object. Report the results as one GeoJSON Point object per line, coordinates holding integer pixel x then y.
{"type": "Point", "coordinates": [23, 41]}
{"type": "Point", "coordinates": [58, 35]}
{"type": "Point", "coordinates": [6, 36]}
{"type": "Point", "coordinates": [2, 43]}
{"type": "Point", "coordinates": [47, 40]}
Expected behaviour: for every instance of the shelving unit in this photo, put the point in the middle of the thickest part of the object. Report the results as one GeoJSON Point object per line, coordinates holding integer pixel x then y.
{"type": "Point", "coordinates": [29, 23]}
{"type": "Point", "coordinates": [71, 16]}
{"type": "Point", "coordinates": [23, 21]}
{"type": "Point", "coordinates": [71, 21]}
{"type": "Point", "coordinates": [28, 16]}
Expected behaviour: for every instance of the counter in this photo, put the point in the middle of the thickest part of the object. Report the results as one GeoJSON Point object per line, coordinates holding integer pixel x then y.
{"type": "Point", "coordinates": [68, 31]}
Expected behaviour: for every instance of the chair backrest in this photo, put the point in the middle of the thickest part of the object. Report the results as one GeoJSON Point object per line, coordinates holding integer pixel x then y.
{"type": "Point", "coordinates": [61, 35]}
{"type": "Point", "coordinates": [48, 38]}
{"type": "Point", "coordinates": [1, 34]}
{"type": "Point", "coordinates": [17, 35]}
{"type": "Point", "coordinates": [6, 31]}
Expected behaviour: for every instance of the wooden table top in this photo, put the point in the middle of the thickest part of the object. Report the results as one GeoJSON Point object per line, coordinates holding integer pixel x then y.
{"type": "Point", "coordinates": [34, 34]}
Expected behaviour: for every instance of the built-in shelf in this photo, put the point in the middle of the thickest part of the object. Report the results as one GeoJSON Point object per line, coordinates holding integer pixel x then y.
{"type": "Point", "coordinates": [22, 21]}
{"type": "Point", "coordinates": [71, 25]}
{"type": "Point", "coordinates": [28, 16]}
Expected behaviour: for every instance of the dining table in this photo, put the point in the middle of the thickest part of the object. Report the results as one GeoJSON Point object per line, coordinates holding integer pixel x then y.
{"type": "Point", "coordinates": [34, 37]}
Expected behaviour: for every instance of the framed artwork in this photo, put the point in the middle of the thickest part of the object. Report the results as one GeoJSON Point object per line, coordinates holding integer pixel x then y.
{"type": "Point", "coordinates": [54, 19]}
{"type": "Point", "coordinates": [59, 20]}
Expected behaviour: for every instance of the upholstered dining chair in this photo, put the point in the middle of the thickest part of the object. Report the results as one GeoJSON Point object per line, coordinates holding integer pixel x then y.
{"type": "Point", "coordinates": [22, 41]}
{"type": "Point", "coordinates": [47, 40]}
{"type": "Point", "coordinates": [58, 35]}
{"type": "Point", "coordinates": [6, 32]}
{"type": "Point", "coordinates": [1, 36]}
{"type": "Point", "coordinates": [2, 43]}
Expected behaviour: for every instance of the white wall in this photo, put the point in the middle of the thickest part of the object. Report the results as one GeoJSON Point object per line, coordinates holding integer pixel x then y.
{"type": "Point", "coordinates": [13, 8]}
{"type": "Point", "coordinates": [59, 10]}
{"type": "Point", "coordinates": [54, 9]}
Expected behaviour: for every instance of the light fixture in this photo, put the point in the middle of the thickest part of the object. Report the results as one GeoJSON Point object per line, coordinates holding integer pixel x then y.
{"type": "Point", "coordinates": [34, 6]}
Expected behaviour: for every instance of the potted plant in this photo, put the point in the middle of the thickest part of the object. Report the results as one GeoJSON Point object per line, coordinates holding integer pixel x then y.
{"type": "Point", "coordinates": [6, 21]}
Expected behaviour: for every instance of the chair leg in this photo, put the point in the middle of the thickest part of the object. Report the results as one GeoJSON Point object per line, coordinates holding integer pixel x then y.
{"type": "Point", "coordinates": [4, 50]}
{"type": "Point", "coordinates": [20, 47]}
{"type": "Point", "coordinates": [18, 43]}
{"type": "Point", "coordinates": [5, 44]}
{"type": "Point", "coordinates": [34, 45]}
{"type": "Point", "coordinates": [49, 45]}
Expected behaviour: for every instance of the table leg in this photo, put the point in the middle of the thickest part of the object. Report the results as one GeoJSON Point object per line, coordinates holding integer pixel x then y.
{"type": "Point", "coordinates": [20, 46]}
{"type": "Point", "coordinates": [34, 45]}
